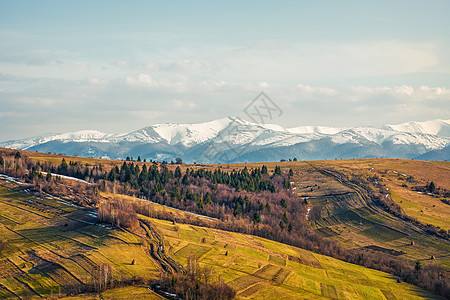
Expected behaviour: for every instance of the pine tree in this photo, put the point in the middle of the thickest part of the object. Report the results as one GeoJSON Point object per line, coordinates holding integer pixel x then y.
{"type": "Point", "coordinates": [62, 169]}
{"type": "Point", "coordinates": [177, 172]}
{"type": "Point", "coordinates": [208, 199]}
{"type": "Point", "coordinates": [256, 217]}
{"type": "Point", "coordinates": [285, 218]}
{"type": "Point", "coordinates": [290, 227]}
{"type": "Point", "coordinates": [264, 170]}
{"type": "Point", "coordinates": [277, 170]}
{"type": "Point", "coordinates": [185, 180]}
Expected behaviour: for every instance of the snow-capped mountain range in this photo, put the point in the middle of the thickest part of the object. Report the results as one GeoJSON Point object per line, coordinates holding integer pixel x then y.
{"type": "Point", "coordinates": [232, 139]}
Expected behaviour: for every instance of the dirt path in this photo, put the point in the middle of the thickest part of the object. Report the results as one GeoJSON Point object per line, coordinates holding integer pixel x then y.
{"type": "Point", "coordinates": [364, 195]}
{"type": "Point", "coordinates": [154, 247]}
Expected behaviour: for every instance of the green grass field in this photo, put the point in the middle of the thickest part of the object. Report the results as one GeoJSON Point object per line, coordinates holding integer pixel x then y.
{"type": "Point", "coordinates": [124, 293]}
{"type": "Point", "coordinates": [49, 246]}
{"type": "Point", "coordinates": [262, 269]}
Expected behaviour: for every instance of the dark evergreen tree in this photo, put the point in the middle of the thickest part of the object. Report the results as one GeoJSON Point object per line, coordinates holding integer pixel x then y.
{"type": "Point", "coordinates": [285, 218]}
{"type": "Point", "coordinates": [185, 180]}
{"type": "Point", "coordinates": [208, 199]}
{"type": "Point", "coordinates": [264, 170]}
{"type": "Point", "coordinates": [256, 217]}
{"type": "Point", "coordinates": [277, 170]}
{"type": "Point", "coordinates": [177, 172]}
{"type": "Point", "coordinates": [63, 167]}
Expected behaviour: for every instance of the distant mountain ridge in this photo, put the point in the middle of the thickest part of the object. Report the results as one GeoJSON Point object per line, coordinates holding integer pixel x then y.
{"type": "Point", "coordinates": [232, 139]}
{"type": "Point", "coordinates": [437, 127]}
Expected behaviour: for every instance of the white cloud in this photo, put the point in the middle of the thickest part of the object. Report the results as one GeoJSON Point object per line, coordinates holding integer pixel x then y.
{"type": "Point", "coordinates": [37, 101]}
{"type": "Point", "coordinates": [143, 80]}
{"type": "Point", "coordinates": [178, 104]}
{"type": "Point", "coordinates": [323, 91]}
{"type": "Point", "coordinates": [97, 81]}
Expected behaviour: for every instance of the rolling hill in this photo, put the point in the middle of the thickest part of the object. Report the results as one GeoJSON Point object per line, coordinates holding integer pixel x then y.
{"type": "Point", "coordinates": [45, 232]}
{"type": "Point", "coordinates": [51, 248]}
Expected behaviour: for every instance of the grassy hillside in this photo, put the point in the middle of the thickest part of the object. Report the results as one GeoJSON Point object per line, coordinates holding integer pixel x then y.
{"type": "Point", "coordinates": [342, 211]}
{"type": "Point", "coordinates": [124, 293]}
{"type": "Point", "coordinates": [349, 201]}
{"type": "Point", "coordinates": [401, 177]}
{"type": "Point", "coordinates": [258, 268]}
{"type": "Point", "coordinates": [50, 246]}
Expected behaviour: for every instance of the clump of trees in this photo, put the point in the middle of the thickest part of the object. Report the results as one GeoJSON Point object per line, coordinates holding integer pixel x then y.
{"type": "Point", "coordinates": [118, 214]}
{"type": "Point", "coordinates": [198, 283]}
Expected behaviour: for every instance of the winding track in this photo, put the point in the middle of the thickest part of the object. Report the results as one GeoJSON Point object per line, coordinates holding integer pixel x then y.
{"type": "Point", "coordinates": [154, 247]}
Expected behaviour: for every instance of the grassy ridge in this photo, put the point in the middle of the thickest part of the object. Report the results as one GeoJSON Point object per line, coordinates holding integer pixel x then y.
{"type": "Point", "coordinates": [258, 268]}
{"type": "Point", "coordinates": [339, 212]}
{"type": "Point", "coordinates": [400, 176]}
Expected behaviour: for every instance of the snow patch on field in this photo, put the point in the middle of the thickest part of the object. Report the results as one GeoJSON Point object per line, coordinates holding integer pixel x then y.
{"type": "Point", "coordinates": [68, 177]}
{"type": "Point", "coordinates": [11, 179]}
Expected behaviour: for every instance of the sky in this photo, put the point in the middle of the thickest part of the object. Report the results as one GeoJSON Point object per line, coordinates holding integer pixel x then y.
{"type": "Point", "coordinates": [117, 66]}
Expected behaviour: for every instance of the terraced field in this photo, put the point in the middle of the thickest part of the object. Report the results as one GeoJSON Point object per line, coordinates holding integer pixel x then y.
{"type": "Point", "coordinates": [400, 177]}
{"type": "Point", "coordinates": [262, 269]}
{"type": "Point", "coordinates": [124, 293]}
{"type": "Point", "coordinates": [343, 211]}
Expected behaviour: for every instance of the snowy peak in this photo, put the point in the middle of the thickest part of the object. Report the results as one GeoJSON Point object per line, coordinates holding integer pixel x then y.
{"type": "Point", "coordinates": [436, 127]}
{"type": "Point", "coordinates": [184, 134]}
{"type": "Point", "coordinates": [79, 136]}
{"type": "Point", "coordinates": [380, 136]}
{"type": "Point", "coordinates": [76, 136]}
{"type": "Point", "coordinates": [316, 129]}
{"type": "Point", "coordinates": [235, 138]}
{"type": "Point", "coordinates": [190, 134]}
